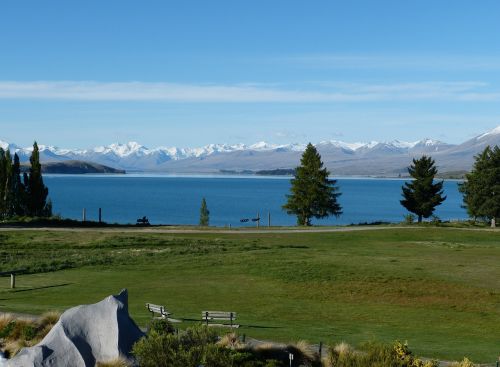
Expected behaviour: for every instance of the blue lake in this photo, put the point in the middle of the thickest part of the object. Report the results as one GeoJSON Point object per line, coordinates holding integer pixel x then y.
{"type": "Point", "coordinates": [176, 200]}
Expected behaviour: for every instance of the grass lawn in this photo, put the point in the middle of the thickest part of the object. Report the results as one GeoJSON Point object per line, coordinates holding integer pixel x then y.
{"type": "Point", "coordinates": [438, 288]}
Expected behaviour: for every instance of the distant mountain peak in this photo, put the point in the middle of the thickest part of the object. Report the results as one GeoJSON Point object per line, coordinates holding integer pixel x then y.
{"type": "Point", "coordinates": [495, 131]}
{"type": "Point", "coordinates": [375, 157]}
{"type": "Point", "coordinates": [4, 145]}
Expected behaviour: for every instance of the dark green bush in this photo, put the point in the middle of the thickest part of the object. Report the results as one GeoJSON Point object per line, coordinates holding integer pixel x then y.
{"type": "Point", "coordinates": [161, 326]}
{"type": "Point", "coordinates": [5, 332]}
{"type": "Point", "coordinates": [28, 332]}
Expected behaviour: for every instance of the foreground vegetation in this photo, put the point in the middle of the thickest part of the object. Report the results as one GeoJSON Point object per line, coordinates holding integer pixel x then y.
{"type": "Point", "coordinates": [437, 288]}
{"type": "Point", "coordinates": [201, 345]}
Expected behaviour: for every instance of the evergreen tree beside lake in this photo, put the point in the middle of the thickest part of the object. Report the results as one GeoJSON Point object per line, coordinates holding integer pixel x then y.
{"type": "Point", "coordinates": [313, 194]}
{"type": "Point", "coordinates": [422, 195]}
{"type": "Point", "coordinates": [36, 191]}
{"type": "Point", "coordinates": [481, 188]}
{"type": "Point", "coordinates": [22, 198]}
{"type": "Point", "coordinates": [204, 214]}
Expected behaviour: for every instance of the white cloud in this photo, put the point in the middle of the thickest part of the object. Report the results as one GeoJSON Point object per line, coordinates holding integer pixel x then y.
{"type": "Point", "coordinates": [246, 93]}
{"type": "Point", "coordinates": [440, 62]}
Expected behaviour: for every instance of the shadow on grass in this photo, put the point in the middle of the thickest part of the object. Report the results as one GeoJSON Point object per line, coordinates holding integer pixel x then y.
{"type": "Point", "coordinates": [241, 325]}
{"type": "Point", "coordinates": [38, 288]}
{"type": "Point", "coordinates": [261, 327]}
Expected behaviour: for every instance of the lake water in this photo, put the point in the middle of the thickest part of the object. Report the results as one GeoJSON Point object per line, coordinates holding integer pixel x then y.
{"type": "Point", "coordinates": [176, 200]}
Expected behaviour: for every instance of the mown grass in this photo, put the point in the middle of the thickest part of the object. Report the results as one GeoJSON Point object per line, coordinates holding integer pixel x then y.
{"type": "Point", "coordinates": [438, 288]}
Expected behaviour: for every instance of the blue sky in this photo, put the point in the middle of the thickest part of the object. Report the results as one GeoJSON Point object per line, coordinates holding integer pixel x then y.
{"type": "Point", "coordinates": [189, 73]}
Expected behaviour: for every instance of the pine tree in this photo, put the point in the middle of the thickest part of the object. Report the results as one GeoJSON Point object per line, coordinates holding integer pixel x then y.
{"type": "Point", "coordinates": [204, 213]}
{"type": "Point", "coordinates": [313, 194]}
{"type": "Point", "coordinates": [36, 191]}
{"type": "Point", "coordinates": [3, 183]}
{"type": "Point", "coordinates": [8, 198]}
{"type": "Point", "coordinates": [481, 188]}
{"type": "Point", "coordinates": [422, 195]}
{"type": "Point", "coordinates": [18, 191]}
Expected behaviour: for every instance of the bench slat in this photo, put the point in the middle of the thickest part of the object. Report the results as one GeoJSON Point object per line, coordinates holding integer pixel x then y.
{"type": "Point", "coordinates": [218, 313]}
{"type": "Point", "coordinates": [219, 316]}
{"type": "Point", "coordinates": [157, 309]}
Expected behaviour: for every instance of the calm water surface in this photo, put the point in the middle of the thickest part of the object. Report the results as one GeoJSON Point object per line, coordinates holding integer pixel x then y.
{"type": "Point", "coordinates": [176, 200]}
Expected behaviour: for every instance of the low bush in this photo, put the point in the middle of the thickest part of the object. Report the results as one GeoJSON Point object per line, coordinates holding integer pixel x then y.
{"type": "Point", "coordinates": [19, 333]}
{"type": "Point", "coordinates": [463, 363]}
{"type": "Point", "coordinates": [200, 345]}
{"type": "Point", "coordinates": [161, 327]}
{"type": "Point", "coordinates": [375, 354]}
{"type": "Point", "coordinates": [409, 219]}
{"type": "Point", "coordinates": [117, 362]}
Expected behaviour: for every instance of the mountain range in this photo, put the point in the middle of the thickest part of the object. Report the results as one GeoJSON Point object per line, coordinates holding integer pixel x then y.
{"type": "Point", "coordinates": [365, 159]}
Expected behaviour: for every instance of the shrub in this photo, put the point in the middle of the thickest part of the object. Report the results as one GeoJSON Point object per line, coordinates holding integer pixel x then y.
{"type": "Point", "coordinates": [435, 220]}
{"type": "Point", "coordinates": [7, 329]}
{"type": "Point", "coordinates": [464, 363]}
{"type": "Point", "coordinates": [28, 332]}
{"type": "Point", "coordinates": [161, 326]}
{"type": "Point", "coordinates": [409, 219]}
{"type": "Point", "coordinates": [231, 341]}
{"type": "Point", "coordinates": [194, 347]}
{"type": "Point", "coordinates": [5, 320]}
{"type": "Point", "coordinates": [117, 362]}
{"type": "Point", "coordinates": [375, 354]}
{"type": "Point", "coordinates": [156, 350]}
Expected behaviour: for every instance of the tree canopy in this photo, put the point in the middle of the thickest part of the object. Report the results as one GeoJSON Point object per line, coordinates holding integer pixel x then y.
{"type": "Point", "coordinates": [422, 195]}
{"type": "Point", "coordinates": [312, 193]}
{"type": "Point", "coordinates": [27, 197]}
{"type": "Point", "coordinates": [204, 213]}
{"type": "Point", "coordinates": [481, 188]}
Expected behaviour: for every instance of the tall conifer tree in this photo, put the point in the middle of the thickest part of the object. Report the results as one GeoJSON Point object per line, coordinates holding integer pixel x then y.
{"type": "Point", "coordinates": [36, 191]}
{"type": "Point", "coordinates": [481, 188]}
{"type": "Point", "coordinates": [3, 183]}
{"type": "Point", "coordinates": [19, 201]}
{"type": "Point", "coordinates": [313, 194]}
{"type": "Point", "coordinates": [204, 213]}
{"type": "Point", "coordinates": [422, 195]}
{"type": "Point", "coordinates": [8, 192]}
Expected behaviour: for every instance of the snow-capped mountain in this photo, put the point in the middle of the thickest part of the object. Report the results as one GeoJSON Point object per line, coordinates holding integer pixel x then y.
{"type": "Point", "coordinates": [372, 158]}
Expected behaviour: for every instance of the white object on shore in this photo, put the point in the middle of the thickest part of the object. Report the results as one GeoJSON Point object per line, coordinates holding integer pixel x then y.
{"type": "Point", "coordinates": [85, 335]}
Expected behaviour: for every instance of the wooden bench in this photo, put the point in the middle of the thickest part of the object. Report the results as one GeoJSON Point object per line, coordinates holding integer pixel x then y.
{"type": "Point", "coordinates": [160, 310]}
{"type": "Point", "coordinates": [211, 316]}
{"type": "Point", "coordinates": [12, 274]}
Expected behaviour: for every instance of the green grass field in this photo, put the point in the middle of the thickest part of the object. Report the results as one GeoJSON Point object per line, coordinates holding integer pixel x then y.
{"type": "Point", "coordinates": [438, 288]}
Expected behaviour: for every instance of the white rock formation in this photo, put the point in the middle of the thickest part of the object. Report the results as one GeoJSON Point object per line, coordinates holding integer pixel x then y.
{"type": "Point", "coordinates": [85, 335]}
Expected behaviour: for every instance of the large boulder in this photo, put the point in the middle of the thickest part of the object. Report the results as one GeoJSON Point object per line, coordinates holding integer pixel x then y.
{"type": "Point", "coordinates": [85, 335]}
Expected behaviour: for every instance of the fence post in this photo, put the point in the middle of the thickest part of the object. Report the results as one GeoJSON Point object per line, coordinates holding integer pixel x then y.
{"type": "Point", "coordinates": [100, 215]}
{"type": "Point", "coordinates": [84, 215]}
{"type": "Point", "coordinates": [13, 280]}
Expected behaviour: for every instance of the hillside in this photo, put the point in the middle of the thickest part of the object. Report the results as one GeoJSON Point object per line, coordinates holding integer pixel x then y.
{"type": "Point", "coordinates": [77, 167]}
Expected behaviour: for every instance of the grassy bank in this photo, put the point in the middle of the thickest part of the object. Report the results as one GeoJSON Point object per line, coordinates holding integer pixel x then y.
{"type": "Point", "coordinates": [438, 288]}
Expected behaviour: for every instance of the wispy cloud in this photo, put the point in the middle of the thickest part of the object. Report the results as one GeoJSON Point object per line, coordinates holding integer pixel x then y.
{"type": "Point", "coordinates": [248, 93]}
{"type": "Point", "coordinates": [439, 62]}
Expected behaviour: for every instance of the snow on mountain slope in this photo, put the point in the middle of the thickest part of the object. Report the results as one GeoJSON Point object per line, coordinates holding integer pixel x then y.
{"type": "Point", "coordinates": [369, 158]}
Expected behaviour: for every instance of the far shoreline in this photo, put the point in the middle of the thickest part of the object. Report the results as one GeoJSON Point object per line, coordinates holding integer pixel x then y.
{"type": "Point", "coordinates": [148, 174]}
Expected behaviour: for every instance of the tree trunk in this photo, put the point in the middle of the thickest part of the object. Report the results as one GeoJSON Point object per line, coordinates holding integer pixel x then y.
{"type": "Point", "coordinates": [420, 218]}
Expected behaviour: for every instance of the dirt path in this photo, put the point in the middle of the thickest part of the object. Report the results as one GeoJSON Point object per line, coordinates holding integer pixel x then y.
{"type": "Point", "coordinates": [271, 230]}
